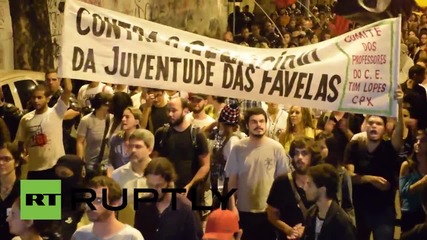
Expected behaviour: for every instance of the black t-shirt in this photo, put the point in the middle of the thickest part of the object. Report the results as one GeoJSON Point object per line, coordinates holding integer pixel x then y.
{"type": "Point", "coordinates": [282, 198]}
{"type": "Point", "coordinates": [4, 205]}
{"type": "Point", "coordinates": [179, 148]}
{"type": "Point", "coordinates": [159, 117]}
{"type": "Point", "coordinates": [381, 162]}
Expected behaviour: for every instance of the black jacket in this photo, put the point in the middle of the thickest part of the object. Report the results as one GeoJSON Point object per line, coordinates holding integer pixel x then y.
{"type": "Point", "coordinates": [336, 226]}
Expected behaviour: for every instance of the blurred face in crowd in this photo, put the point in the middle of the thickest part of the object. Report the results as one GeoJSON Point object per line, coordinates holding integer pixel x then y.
{"type": "Point", "coordinates": [16, 225]}
{"type": "Point", "coordinates": [245, 33]}
{"type": "Point", "coordinates": [129, 121]}
{"type": "Point", "coordinates": [311, 191]}
{"type": "Point", "coordinates": [197, 104]}
{"type": "Point", "coordinates": [302, 160]}
{"type": "Point", "coordinates": [286, 38]}
{"type": "Point", "coordinates": [423, 39]}
{"type": "Point", "coordinates": [52, 82]}
{"type": "Point", "coordinates": [39, 100]}
{"type": "Point", "coordinates": [295, 114]}
{"type": "Point", "coordinates": [268, 27]}
{"type": "Point", "coordinates": [176, 112]}
{"type": "Point", "coordinates": [100, 214]}
{"type": "Point", "coordinates": [257, 125]}
{"type": "Point", "coordinates": [420, 146]}
{"type": "Point", "coordinates": [411, 34]}
{"type": "Point", "coordinates": [255, 30]}
{"type": "Point", "coordinates": [406, 116]}
{"type": "Point", "coordinates": [315, 39]}
{"type": "Point", "coordinates": [7, 162]}
{"type": "Point", "coordinates": [139, 150]}
{"type": "Point", "coordinates": [157, 97]}
{"type": "Point", "coordinates": [375, 128]}
{"type": "Point", "coordinates": [158, 183]}
{"type": "Point", "coordinates": [324, 151]}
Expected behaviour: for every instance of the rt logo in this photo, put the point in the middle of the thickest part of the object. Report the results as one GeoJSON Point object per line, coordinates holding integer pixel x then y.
{"type": "Point", "coordinates": [40, 199]}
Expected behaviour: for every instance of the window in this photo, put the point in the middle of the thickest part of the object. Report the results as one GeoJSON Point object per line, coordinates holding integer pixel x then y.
{"type": "Point", "coordinates": [7, 94]}
{"type": "Point", "coordinates": [24, 89]}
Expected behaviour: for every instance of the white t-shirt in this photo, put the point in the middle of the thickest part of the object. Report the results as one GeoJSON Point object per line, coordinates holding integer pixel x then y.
{"type": "Point", "coordinates": [274, 128]}
{"type": "Point", "coordinates": [127, 233]}
{"type": "Point", "coordinates": [200, 123]}
{"type": "Point", "coordinates": [256, 165]}
{"type": "Point", "coordinates": [128, 179]}
{"type": "Point", "coordinates": [42, 136]}
{"type": "Point", "coordinates": [86, 93]}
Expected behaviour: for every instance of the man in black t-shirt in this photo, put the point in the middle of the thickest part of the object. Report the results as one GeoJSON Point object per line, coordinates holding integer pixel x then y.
{"type": "Point", "coordinates": [187, 148]}
{"type": "Point", "coordinates": [154, 110]}
{"type": "Point", "coordinates": [284, 211]}
{"type": "Point", "coordinates": [372, 165]}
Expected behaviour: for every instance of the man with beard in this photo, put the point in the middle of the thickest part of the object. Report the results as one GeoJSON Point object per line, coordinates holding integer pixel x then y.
{"type": "Point", "coordinates": [372, 163]}
{"type": "Point", "coordinates": [131, 175]}
{"type": "Point", "coordinates": [104, 222]}
{"type": "Point", "coordinates": [171, 217]}
{"type": "Point", "coordinates": [187, 149]}
{"type": "Point", "coordinates": [252, 166]}
{"type": "Point", "coordinates": [287, 203]}
{"type": "Point", "coordinates": [198, 116]}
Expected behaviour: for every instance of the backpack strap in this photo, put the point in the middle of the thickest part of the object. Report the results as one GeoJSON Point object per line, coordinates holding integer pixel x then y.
{"type": "Point", "coordinates": [194, 131]}
{"type": "Point", "coordinates": [166, 134]}
{"type": "Point", "coordinates": [339, 192]}
{"type": "Point", "coordinates": [300, 203]}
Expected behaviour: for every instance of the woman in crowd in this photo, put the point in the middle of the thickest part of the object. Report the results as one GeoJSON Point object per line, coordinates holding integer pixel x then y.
{"type": "Point", "coordinates": [413, 178]}
{"type": "Point", "coordinates": [119, 152]}
{"type": "Point", "coordinates": [10, 169]}
{"type": "Point", "coordinates": [299, 124]}
{"type": "Point", "coordinates": [26, 229]}
{"type": "Point", "coordinates": [119, 103]}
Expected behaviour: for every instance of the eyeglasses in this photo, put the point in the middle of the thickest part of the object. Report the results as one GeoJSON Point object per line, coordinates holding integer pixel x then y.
{"type": "Point", "coordinates": [6, 159]}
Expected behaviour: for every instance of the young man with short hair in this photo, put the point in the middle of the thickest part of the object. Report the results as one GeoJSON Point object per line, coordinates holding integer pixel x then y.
{"type": "Point", "coordinates": [38, 132]}
{"type": "Point", "coordinates": [326, 220]}
{"type": "Point", "coordinates": [252, 166]}
{"type": "Point", "coordinates": [104, 222]}
{"type": "Point", "coordinates": [158, 220]}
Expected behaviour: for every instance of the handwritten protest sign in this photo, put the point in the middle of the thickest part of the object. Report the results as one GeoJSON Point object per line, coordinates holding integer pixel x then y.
{"type": "Point", "coordinates": [355, 72]}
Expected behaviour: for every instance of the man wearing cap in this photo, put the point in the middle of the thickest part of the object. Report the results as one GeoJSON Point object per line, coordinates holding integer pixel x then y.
{"type": "Point", "coordinates": [222, 225]}
{"type": "Point", "coordinates": [198, 116]}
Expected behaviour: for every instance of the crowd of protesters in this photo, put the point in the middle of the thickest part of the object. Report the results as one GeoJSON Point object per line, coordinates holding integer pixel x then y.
{"type": "Point", "coordinates": [300, 173]}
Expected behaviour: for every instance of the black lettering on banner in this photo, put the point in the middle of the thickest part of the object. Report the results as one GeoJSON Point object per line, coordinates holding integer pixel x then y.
{"type": "Point", "coordinates": [323, 88]}
{"type": "Point", "coordinates": [138, 65]}
{"type": "Point", "coordinates": [97, 30]}
{"type": "Point", "coordinates": [80, 30]}
{"type": "Point", "coordinates": [173, 38]}
{"type": "Point", "coordinates": [199, 67]}
{"type": "Point", "coordinates": [209, 73]}
{"type": "Point", "coordinates": [162, 68]}
{"type": "Point", "coordinates": [227, 76]}
{"type": "Point", "coordinates": [188, 74]}
{"type": "Point", "coordinates": [149, 67]}
{"type": "Point", "coordinates": [193, 50]}
{"type": "Point", "coordinates": [115, 62]}
{"type": "Point", "coordinates": [300, 84]}
{"type": "Point", "coordinates": [139, 31]}
{"type": "Point", "coordinates": [80, 62]}
{"type": "Point", "coordinates": [127, 27]}
{"type": "Point", "coordinates": [307, 89]}
{"type": "Point", "coordinates": [225, 57]}
{"type": "Point", "coordinates": [289, 83]}
{"type": "Point", "coordinates": [265, 79]}
{"type": "Point", "coordinates": [175, 62]}
{"type": "Point", "coordinates": [249, 70]}
{"type": "Point", "coordinates": [152, 37]}
{"type": "Point", "coordinates": [333, 87]}
{"type": "Point", "coordinates": [112, 27]}
{"type": "Point", "coordinates": [125, 64]}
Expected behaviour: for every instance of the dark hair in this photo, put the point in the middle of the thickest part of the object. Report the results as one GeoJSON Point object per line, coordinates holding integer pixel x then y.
{"type": "Point", "coordinates": [416, 70]}
{"type": "Point", "coordinates": [219, 99]}
{"type": "Point", "coordinates": [149, 90]}
{"type": "Point", "coordinates": [382, 117]}
{"type": "Point", "coordinates": [310, 145]}
{"type": "Point", "coordinates": [184, 103]}
{"type": "Point", "coordinates": [42, 88]}
{"type": "Point", "coordinates": [325, 175]}
{"type": "Point", "coordinates": [99, 99]}
{"type": "Point", "coordinates": [114, 189]}
{"type": "Point", "coordinates": [16, 151]}
{"type": "Point", "coordinates": [254, 111]}
{"type": "Point", "coordinates": [163, 167]}
{"type": "Point", "coordinates": [48, 71]}
{"type": "Point", "coordinates": [119, 103]}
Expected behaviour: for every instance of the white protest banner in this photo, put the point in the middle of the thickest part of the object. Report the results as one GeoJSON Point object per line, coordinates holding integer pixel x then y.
{"type": "Point", "coordinates": [356, 72]}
